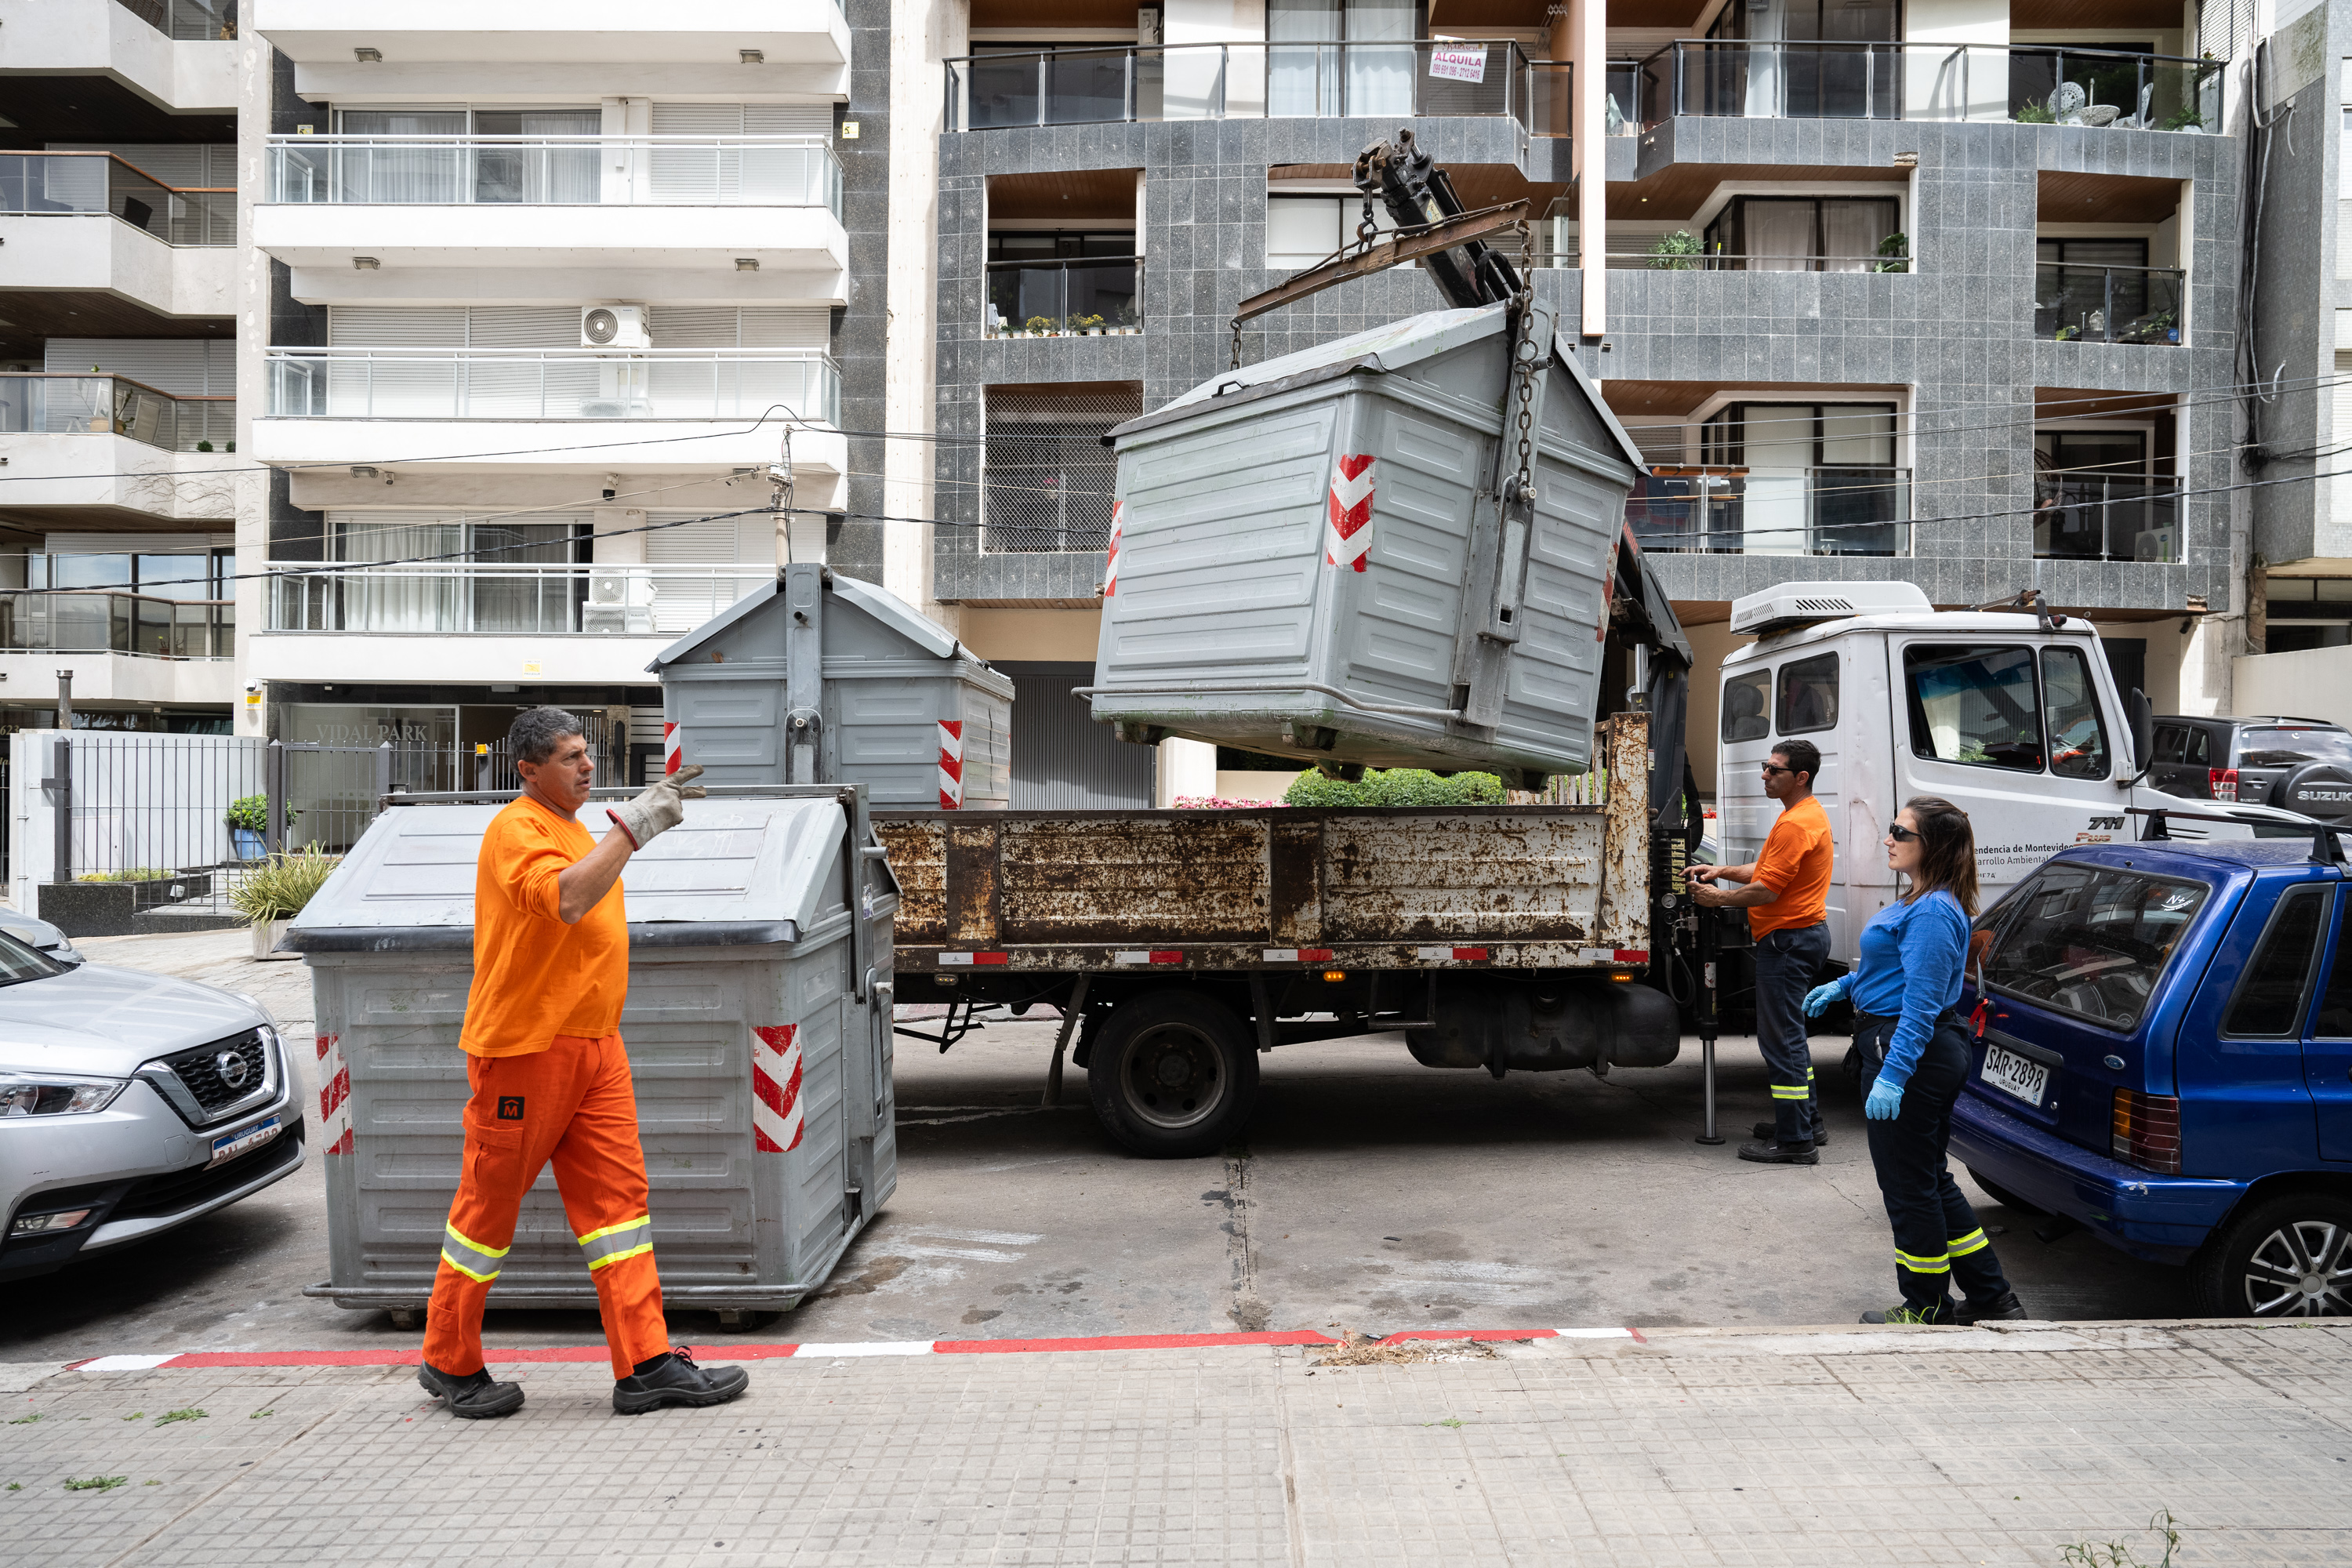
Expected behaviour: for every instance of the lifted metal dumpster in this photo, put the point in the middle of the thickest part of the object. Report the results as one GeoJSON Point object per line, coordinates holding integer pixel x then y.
{"type": "Point", "coordinates": [758, 1028]}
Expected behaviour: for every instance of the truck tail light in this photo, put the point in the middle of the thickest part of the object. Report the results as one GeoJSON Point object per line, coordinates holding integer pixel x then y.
{"type": "Point", "coordinates": [2221, 784]}
{"type": "Point", "coordinates": [2146, 1130]}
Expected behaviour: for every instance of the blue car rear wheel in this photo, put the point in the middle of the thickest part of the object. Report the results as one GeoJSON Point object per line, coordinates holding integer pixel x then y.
{"type": "Point", "coordinates": [2287, 1257]}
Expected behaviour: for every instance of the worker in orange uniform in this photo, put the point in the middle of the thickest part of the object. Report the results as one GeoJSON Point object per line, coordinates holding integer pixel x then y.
{"type": "Point", "coordinates": [551, 1080]}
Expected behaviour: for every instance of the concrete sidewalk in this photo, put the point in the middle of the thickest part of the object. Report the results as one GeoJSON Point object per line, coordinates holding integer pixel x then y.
{"type": "Point", "coordinates": [1934, 1446]}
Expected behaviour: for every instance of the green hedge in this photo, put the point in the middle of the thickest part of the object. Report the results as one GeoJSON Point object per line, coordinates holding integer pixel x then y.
{"type": "Point", "coordinates": [1396, 786]}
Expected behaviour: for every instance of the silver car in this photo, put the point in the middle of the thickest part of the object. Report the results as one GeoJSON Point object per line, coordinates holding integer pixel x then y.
{"type": "Point", "coordinates": [130, 1103]}
{"type": "Point", "coordinates": [36, 932]}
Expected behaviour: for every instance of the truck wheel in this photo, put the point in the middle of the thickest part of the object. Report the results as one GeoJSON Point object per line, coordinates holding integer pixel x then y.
{"type": "Point", "coordinates": [2002, 1196]}
{"type": "Point", "coordinates": [2287, 1257]}
{"type": "Point", "coordinates": [1173, 1075]}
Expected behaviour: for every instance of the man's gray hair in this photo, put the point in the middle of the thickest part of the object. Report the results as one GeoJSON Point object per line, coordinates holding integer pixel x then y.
{"type": "Point", "coordinates": [539, 731]}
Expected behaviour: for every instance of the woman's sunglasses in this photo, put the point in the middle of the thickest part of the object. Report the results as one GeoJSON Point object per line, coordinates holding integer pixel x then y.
{"type": "Point", "coordinates": [1900, 834]}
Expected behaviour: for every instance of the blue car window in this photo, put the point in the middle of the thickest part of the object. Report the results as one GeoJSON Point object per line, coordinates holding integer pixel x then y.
{"type": "Point", "coordinates": [2091, 940]}
{"type": "Point", "coordinates": [2333, 1021]}
{"type": "Point", "coordinates": [2268, 1002]}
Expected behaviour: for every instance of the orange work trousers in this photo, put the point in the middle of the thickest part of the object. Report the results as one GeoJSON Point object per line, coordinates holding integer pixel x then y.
{"type": "Point", "coordinates": [575, 1104]}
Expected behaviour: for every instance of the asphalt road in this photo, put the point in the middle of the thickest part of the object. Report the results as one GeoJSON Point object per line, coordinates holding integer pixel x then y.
{"type": "Point", "coordinates": [1371, 1193]}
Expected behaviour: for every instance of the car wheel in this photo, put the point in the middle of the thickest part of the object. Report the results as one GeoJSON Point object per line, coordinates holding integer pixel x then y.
{"type": "Point", "coordinates": [1173, 1075]}
{"type": "Point", "coordinates": [2002, 1196]}
{"type": "Point", "coordinates": [2288, 1256]}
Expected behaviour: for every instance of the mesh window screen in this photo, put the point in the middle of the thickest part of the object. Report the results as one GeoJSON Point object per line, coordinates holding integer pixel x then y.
{"type": "Point", "coordinates": [1046, 479]}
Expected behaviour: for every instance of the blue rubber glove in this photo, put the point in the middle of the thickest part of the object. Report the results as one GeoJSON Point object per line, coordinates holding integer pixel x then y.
{"type": "Point", "coordinates": [1885, 1099]}
{"type": "Point", "coordinates": [1818, 1000]}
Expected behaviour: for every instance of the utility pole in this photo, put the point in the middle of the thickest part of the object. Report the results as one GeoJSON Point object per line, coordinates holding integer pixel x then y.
{"type": "Point", "coordinates": [65, 700]}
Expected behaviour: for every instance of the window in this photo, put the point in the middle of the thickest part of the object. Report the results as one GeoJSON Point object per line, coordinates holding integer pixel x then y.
{"type": "Point", "coordinates": [1801, 233]}
{"type": "Point", "coordinates": [2291, 748]}
{"type": "Point", "coordinates": [1302, 230]}
{"type": "Point", "coordinates": [2333, 1021]}
{"type": "Point", "coordinates": [1808, 695]}
{"type": "Point", "coordinates": [2269, 999]}
{"type": "Point", "coordinates": [1047, 478]}
{"type": "Point", "coordinates": [2078, 737]}
{"type": "Point", "coordinates": [1745, 707]}
{"type": "Point", "coordinates": [1974, 705]}
{"type": "Point", "coordinates": [2171, 743]}
{"type": "Point", "coordinates": [2200, 748]}
{"type": "Point", "coordinates": [2091, 940]}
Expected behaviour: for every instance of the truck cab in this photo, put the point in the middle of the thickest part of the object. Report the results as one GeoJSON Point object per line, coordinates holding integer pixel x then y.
{"type": "Point", "coordinates": [2011, 715]}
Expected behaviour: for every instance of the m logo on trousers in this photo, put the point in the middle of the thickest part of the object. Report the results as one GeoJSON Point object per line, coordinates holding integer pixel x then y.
{"type": "Point", "coordinates": [511, 1108]}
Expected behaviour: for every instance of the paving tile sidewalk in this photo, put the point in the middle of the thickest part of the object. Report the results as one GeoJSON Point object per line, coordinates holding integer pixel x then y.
{"type": "Point", "coordinates": [1694, 1447]}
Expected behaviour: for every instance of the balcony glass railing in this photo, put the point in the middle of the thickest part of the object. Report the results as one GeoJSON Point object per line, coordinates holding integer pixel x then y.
{"type": "Point", "coordinates": [64, 184]}
{"type": "Point", "coordinates": [1861, 510]}
{"type": "Point", "coordinates": [37, 404]}
{"type": "Point", "coordinates": [1083, 86]}
{"type": "Point", "coordinates": [1094, 296]}
{"type": "Point", "coordinates": [2029, 83]}
{"type": "Point", "coordinates": [187, 21]}
{"type": "Point", "coordinates": [557, 170]}
{"type": "Point", "coordinates": [2105, 517]}
{"type": "Point", "coordinates": [1657, 260]}
{"type": "Point", "coordinates": [508, 599]}
{"type": "Point", "coordinates": [33, 621]}
{"type": "Point", "coordinates": [551, 383]}
{"type": "Point", "coordinates": [2108, 304]}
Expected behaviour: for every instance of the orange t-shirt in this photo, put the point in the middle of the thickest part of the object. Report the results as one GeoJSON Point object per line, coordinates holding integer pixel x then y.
{"type": "Point", "coordinates": [535, 977]}
{"type": "Point", "coordinates": [1796, 864]}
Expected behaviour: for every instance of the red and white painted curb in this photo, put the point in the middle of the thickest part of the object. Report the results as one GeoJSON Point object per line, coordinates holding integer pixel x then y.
{"type": "Point", "coordinates": [729, 1351]}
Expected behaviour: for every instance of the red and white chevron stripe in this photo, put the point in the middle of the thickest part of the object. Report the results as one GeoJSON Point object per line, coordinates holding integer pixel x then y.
{"type": "Point", "coordinates": [1110, 566]}
{"type": "Point", "coordinates": [335, 1097]}
{"type": "Point", "coordinates": [673, 748]}
{"type": "Point", "coordinates": [776, 1121]}
{"type": "Point", "coordinates": [1351, 533]}
{"type": "Point", "coordinates": [950, 763]}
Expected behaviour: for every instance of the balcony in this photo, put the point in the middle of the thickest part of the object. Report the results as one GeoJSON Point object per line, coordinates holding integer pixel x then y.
{"type": "Point", "coordinates": [2032, 84]}
{"type": "Point", "coordinates": [138, 625]}
{"type": "Point", "coordinates": [50, 404]}
{"type": "Point", "coordinates": [92, 221]}
{"type": "Point", "coordinates": [2105, 517]}
{"type": "Point", "coordinates": [1710, 510]}
{"type": "Point", "coordinates": [1895, 259]}
{"type": "Point", "coordinates": [1079, 297]}
{"type": "Point", "coordinates": [2077, 303]}
{"type": "Point", "coordinates": [1093, 86]}
{"type": "Point", "coordinates": [179, 54]}
{"type": "Point", "coordinates": [76, 185]}
{"type": "Point", "coordinates": [187, 21]}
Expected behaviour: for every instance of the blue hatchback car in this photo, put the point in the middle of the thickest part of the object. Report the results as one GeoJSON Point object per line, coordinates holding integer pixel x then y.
{"type": "Point", "coordinates": [2168, 1060]}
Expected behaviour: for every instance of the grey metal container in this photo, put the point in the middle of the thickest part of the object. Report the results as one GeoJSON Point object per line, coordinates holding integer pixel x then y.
{"type": "Point", "coordinates": [758, 1028]}
{"type": "Point", "coordinates": [824, 679]}
{"type": "Point", "coordinates": [1311, 559]}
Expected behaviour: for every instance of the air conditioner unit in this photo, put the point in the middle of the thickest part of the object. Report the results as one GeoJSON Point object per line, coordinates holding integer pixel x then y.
{"type": "Point", "coordinates": [608, 588]}
{"type": "Point", "coordinates": [1788, 606]}
{"type": "Point", "coordinates": [614, 327]}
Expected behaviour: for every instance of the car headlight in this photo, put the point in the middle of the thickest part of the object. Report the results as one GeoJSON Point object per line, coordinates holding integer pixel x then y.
{"type": "Point", "coordinates": [38, 1094]}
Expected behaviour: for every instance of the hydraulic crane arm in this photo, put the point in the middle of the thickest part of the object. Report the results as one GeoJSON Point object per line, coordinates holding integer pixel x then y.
{"type": "Point", "coordinates": [1407, 178]}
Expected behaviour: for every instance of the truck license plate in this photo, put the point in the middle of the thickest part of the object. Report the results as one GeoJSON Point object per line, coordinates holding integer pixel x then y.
{"type": "Point", "coordinates": [235, 1143]}
{"type": "Point", "coordinates": [2015, 1075]}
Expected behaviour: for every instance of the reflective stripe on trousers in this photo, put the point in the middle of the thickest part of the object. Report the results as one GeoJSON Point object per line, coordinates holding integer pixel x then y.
{"type": "Point", "coordinates": [470, 1257]}
{"type": "Point", "coordinates": [616, 1242]}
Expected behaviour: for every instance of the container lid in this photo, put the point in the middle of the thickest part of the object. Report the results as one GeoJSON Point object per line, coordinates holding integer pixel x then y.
{"type": "Point", "coordinates": [738, 872]}
{"type": "Point", "coordinates": [892, 613]}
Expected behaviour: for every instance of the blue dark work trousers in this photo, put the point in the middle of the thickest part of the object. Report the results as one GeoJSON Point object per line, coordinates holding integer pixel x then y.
{"type": "Point", "coordinates": [1938, 1241]}
{"type": "Point", "coordinates": [1786, 963]}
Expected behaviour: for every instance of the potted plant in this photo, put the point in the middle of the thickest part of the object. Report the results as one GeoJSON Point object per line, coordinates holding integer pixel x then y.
{"type": "Point", "coordinates": [1040, 326]}
{"type": "Point", "coordinates": [1673, 252]}
{"type": "Point", "coordinates": [2035, 114]}
{"type": "Point", "coordinates": [1128, 322]}
{"type": "Point", "coordinates": [2185, 118]}
{"type": "Point", "coordinates": [1092, 326]}
{"type": "Point", "coordinates": [273, 893]}
{"type": "Point", "coordinates": [248, 825]}
{"type": "Point", "coordinates": [1896, 248]}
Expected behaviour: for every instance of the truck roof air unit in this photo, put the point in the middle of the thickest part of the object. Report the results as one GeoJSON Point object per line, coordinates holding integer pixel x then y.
{"type": "Point", "coordinates": [1785, 607]}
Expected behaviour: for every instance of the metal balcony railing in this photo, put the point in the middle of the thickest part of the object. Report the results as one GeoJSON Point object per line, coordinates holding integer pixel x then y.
{"type": "Point", "coordinates": [2074, 303]}
{"type": "Point", "coordinates": [2082, 516]}
{"type": "Point", "coordinates": [2025, 82]}
{"type": "Point", "coordinates": [553, 384]}
{"type": "Point", "coordinates": [1861, 510]}
{"type": "Point", "coordinates": [1656, 261]}
{"type": "Point", "coordinates": [36, 403]}
{"type": "Point", "coordinates": [187, 21]}
{"type": "Point", "coordinates": [556, 171]}
{"type": "Point", "coordinates": [94, 621]}
{"type": "Point", "coordinates": [1085, 86]}
{"type": "Point", "coordinates": [1092, 296]}
{"type": "Point", "coordinates": [505, 599]}
{"type": "Point", "coordinates": [68, 184]}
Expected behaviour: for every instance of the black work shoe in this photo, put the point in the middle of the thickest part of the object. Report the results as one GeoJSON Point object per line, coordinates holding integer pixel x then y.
{"type": "Point", "coordinates": [1766, 1131]}
{"type": "Point", "coordinates": [1766, 1152]}
{"type": "Point", "coordinates": [2004, 1308]}
{"type": "Point", "coordinates": [674, 1379]}
{"type": "Point", "coordinates": [1916, 1316]}
{"type": "Point", "coordinates": [474, 1397]}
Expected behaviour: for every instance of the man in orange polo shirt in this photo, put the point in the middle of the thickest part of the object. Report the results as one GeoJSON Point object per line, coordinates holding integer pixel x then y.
{"type": "Point", "coordinates": [1785, 891]}
{"type": "Point", "coordinates": [551, 1079]}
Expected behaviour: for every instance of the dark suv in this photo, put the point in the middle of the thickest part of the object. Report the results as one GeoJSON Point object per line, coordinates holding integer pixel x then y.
{"type": "Point", "coordinates": [2298, 764]}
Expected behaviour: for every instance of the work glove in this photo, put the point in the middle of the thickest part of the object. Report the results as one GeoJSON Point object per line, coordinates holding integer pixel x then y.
{"type": "Point", "coordinates": [660, 808]}
{"type": "Point", "coordinates": [1885, 1100]}
{"type": "Point", "coordinates": [1818, 1000]}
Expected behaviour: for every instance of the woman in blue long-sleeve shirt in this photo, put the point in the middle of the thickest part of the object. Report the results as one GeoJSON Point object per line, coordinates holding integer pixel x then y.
{"type": "Point", "coordinates": [1914, 1055]}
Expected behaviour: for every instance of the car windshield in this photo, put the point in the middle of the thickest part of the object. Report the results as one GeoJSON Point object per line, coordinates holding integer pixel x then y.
{"type": "Point", "coordinates": [19, 963]}
{"type": "Point", "coordinates": [2284, 747]}
{"type": "Point", "coordinates": [2092, 941]}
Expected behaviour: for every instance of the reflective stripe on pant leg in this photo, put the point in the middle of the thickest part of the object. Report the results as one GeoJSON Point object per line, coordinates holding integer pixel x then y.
{"type": "Point", "coordinates": [615, 1242]}
{"type": "Point", "coordinates": [1939, 1264]}
{"type": "Point", "coordinates": [1791, 1091]}
{"type": "Point", "coordinates": [470, 1257]}
{"type": "Point", "coordinates": [1961, 1246]}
